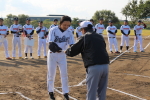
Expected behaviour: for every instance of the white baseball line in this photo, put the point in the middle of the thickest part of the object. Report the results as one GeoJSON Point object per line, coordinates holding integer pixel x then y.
{"type": "Point", "coordinates": [138, 75]}
{"type": "Point", "coordinates": [19, 94]}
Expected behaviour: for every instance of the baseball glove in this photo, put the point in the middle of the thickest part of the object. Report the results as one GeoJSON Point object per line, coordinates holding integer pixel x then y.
{"type": "Point", "coordinates": [54, 47]}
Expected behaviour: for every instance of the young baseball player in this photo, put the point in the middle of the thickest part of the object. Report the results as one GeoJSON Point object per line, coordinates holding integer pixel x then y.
{"type": "Point", "coordinates": [138, 35]}
{"type": "Point", "coordinates": [92, 21]}
{"type": "Point", "coordinates": [29, 31]}
{"type": "Point", "coordinates": [3, 33]}
{"type": "Point", "coordinates": [111, 32]}
{"type": "Point", "coordinates": [125, 30]}
{"type": "Point", "coordinates": [42, 35]}
{"type": "Point", "coordinates": [55, 21]}
{"type": "Point", "coordinates": [78, 30]}
{"type": "Point", "coordinates": [71, 29]}
{"type": "Point", "coordinates": [61, 37]}
{"type": "Point", "coordinates": [16, 30]}
{"type": "Point", "coordinates": [99, 28]}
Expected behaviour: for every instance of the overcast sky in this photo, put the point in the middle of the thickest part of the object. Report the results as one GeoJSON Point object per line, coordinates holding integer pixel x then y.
{"type": "Point", "coordinates": [84, 9]}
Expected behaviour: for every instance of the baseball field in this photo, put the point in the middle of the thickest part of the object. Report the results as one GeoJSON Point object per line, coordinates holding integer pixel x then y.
{"type": "Point", "coordinates": [129, 75]}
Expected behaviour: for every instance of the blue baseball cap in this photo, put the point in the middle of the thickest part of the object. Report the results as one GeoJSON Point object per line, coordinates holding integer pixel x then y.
{"type": "Point", "coordinates": [28, 19]}
{"type": "Point", "coordinates": [16, 18]}
{"type": "Point", "coordinates": [139, 21]}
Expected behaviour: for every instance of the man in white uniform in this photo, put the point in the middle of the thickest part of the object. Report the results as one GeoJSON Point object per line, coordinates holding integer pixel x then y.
{"type": "Point", "coordinates": [99, 28]}
{"type": "Point", "coordinates": [42, 35]}
{"type": "Point", "coordinates": [62, 37]}
{"type": "Point", "coordinates": [29, 31]}
{"type": "Point", "coordinates": [78, 30]}
{"type": "Point", "coordinates": [125, 30]}
{"type": "Point", "coordinates": [55, 21]}
{"type": "Point", "coordinates": [71, 29]}
{"type": "Point", "coordinates": [16, 30]}
{"type": "Point", "coordinates": [111, 32]}
{"type": "Point", "coordinates": [3, 33]}
{"type": "Point", "coordinates": [138, 35]}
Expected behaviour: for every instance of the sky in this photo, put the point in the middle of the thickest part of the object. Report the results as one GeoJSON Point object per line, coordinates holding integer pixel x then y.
{"type": "Point", "coordinates": [83, 9]}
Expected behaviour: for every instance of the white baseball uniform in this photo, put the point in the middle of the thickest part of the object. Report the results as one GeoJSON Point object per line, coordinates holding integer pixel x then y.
{"type": "Point", "coordinates": [53, 25]}
{"type": "Point", "coordinates": [42, 39]}
{"type": "Point", "coordinates": [29, 29]}
{"type": "Point", "coordinates": [78, 32]}
{"type": "Point", "coordinates": [124, 38]}
{"type": "Point", "coordinates": [62, 39]}
{"type": "Point", "coordinates": [71, 29]}
{"type": "Point", "coordinates": [16, 39]}
{"type": "Point", "coordinates": [4, 31]}
{"type": "Point", "coordinates": [139, 39]}
{"type": "Point", "coordinates": [99, 28]}
{"type": "Point", "coordinates": [112, 38]}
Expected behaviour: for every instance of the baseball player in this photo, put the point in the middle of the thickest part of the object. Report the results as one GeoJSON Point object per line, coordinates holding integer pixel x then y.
{"type": "Point", "coordinates": [55, 21]}
{"type": "Point", "coordinates": [99, 28]}
{"type": "Point", "coordinates": [3, 33]}
{"type": "Point", "coordinates": [78, 30]}
{"type": "Point", "coordinates": [29, 31]}
{"type": "Point", "coordinates": [71, 29]}
{"type": "Point", "coordinates": [125, 30]}
{"type": "Point", "coordinates": [138, 35]}
{"type": "Point", "coordinates": [92, 21]}
{"type": "Point", "coordinates": [111, 32]}
{"type": "Point", "coordinates": [42, 35]}
{"type": "Point", "coordinates": [16, 30]}
{"type": "Point", "coordinates": [59, 37]}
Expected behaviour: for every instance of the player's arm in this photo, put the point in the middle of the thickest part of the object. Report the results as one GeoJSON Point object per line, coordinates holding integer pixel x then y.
{"type": "Point", "coordinates": [7, 33]}
{"type": "Point", "coordinates": [46, 33]}
{"type": "Point", "coordinates": [123, 32]}
{"type": "Point", "coordinates": [38, 30]}
{"type": "Point", "coordinates": [110, 32]}
{"type": "Point", "coordinates": [77, 33]}
{"type": "Point", "coordinates": [76, 48]}
{"type": "Point", "coordinates": [95, 28]}
{"type": "Point", "coordinates": [144, 25]}
{"type": "Point", "coordinates": [129, 32]}
{"type": "Point", "coordinates": [32, 31]}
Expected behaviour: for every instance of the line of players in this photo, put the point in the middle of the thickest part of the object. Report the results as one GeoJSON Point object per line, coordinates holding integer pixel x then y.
{"type": "Point", "coordinates": [112, 31]}
{"type": "Point", "coordinates": [28, 30]}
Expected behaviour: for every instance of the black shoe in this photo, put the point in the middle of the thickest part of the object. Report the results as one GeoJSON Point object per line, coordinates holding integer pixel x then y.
{"type": "Point", "coordinates": [66, 97]}
{"type": "Point", "coordinates": [51, 94]}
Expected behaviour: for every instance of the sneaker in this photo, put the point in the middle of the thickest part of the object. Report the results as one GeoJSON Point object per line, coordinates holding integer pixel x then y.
{"type": "Point", "coordinates": [135, 51]}
{"type": "Point", "coordinates": [13, 58]}
{"type": "Point", "coordinates": [45, 56]}
{"type": "Point", "coordinates": [39, 57]}
{"type": "Point", "coordinates": [66, 96]}
{"type": "Point", "coordinates": [8, 58]}
{"type": "Point", "coordinates": [111, 51]}
{"type": "Point", "coordinates": [51, 94]}
{"type": "Point", "coordinates": [25, 57]}
{"type": "Point", "coordinates": [117, 52]}
{"type": "Point", "coordinates": [31, 57]}
{"type": "Point", "coordinates": [142, 51]}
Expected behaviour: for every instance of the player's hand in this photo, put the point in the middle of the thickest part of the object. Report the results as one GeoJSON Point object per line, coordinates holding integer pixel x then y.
{"type": "Point", "coordinates": [114, 34]}
{"type": "Point", "coordinates": [28, 34]}
{"type": "Point", "coordinates": [126, 35]}
{"type": "Point", "coordinates": [136, 37]}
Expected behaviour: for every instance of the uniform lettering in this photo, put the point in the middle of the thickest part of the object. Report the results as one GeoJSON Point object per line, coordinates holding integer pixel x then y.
{"type": "Point", "coordinates": [60, 40]}
{"type": "Point", "coordinates": [100, 27]}
{"type": "Point", "coordinates": [2, 29]}
{"type": "Point", "coordinates": [112, 28]}
{"type": "Point", "coordinates": [15, 28]}
{"type": "Point", "coordinates": [28, 28]}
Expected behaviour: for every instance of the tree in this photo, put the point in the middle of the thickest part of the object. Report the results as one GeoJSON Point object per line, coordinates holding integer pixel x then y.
{"type": "Point", "coordinates": [106, 15]}
{"type": "Point", "coordinates": [75, 22]}
{"type": "Point", "coordinates": [22, 19]}
{"type": "Point", "coordinates": [47, 23]}
{"type": "Point", "coordinates": [34, 23]}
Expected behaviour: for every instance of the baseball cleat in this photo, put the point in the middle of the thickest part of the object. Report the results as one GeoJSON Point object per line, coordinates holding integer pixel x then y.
{"type": "Point", "coordinates": [25, 57]}
{"type": "Point", "coordinates": [13, 58]}
{"type": "Point", "coordinates": [31, 57]}
{"type": "Point", "coordinates": [51, 94]}
{"type": "Point", "coordinates": [142, 51]}
{"type": "Point", "coordinates": [111, 51]}
{"type": "Point", "coordinates": [66, 96]}
{"type": "Point", "coordinates": [45, 56]}
{"type": "Point", "coordinates": [8, 58]}
{"type": "Point", "coordinates": [117, 52]}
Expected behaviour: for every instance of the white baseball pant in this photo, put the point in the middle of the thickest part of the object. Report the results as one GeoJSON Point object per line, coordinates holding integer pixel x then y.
{"type": "Point", "coordinates": [112, 41]}
{"type": "Point", "coordinates": [5, 43]}
{"type": "Point", "coordinates": [15, 41]}
{"type": "Point", "coordinates": [26, 49]}
{"type": "Point", "coordinates": [40, 43]}
{"type": "Point", "coordinates": [54, 60]}
{"type": "Point", "coordinates": [124, 39]}
{"type": "Point", "coordinates": [140, 41]}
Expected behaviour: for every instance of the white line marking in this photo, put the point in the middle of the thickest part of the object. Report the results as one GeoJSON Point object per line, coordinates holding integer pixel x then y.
{"type": "Point", "coordinates": [137, 75]}
{"type": "Point", "coordinates": [126, 93]}
{"type": "Point", "coordinates": [19, 94]}
{"type": "Point", "coordinates": [147, 45]}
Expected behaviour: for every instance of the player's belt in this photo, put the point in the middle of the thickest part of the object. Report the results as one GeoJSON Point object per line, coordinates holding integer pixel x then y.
{"type": "Point", "coordinates": [42, 37]}
{"type": "Point", "coordinates": [112, 37]}
{"type": "Point", "coordinates": [139, 34]}
{"type": "Point", "coordinates": [99, 33]}
{"type": "Point", "coordinates": [17, 36]}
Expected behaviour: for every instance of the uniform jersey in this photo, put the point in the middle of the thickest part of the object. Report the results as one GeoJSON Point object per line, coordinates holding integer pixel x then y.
{"type": "Point", "coordinates": [125, 29]}
{"type": "Point", "coordinates": [15, 28]}
{"type": "Point", "coordinates": [62, 39]}
{"type": "Point", "coordinates": [3, 29]}
{"type": "Point", "coordinates": [52, 26]}
{"type": "Point", "coordinates": [78, 31]}
{"type": "Point", "coordinates": [28, 28]}
{"type": "Point", "coordinates": [112, 29]}
{"type": "Point", "coordinates": [71, 29]}
{"type": "Point", "coordinates": [42, 32]}
{"type": "Point", "coordinates": [138, 29]}
{"type": "Point", "coordinates": [99, 28]}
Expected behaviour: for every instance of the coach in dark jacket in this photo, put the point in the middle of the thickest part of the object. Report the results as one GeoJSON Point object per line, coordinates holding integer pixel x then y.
{"type": "Point", "coordinates": [92, 47]}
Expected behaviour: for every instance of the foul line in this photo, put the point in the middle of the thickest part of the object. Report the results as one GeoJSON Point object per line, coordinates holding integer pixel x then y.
{"type": "Point", "coordinates": [138, 75]}
{"type": "Point", "coordinates": [19, 94]}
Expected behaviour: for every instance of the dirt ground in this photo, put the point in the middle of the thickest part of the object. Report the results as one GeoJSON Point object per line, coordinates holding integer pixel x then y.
{"type": "Point", "coordinates": [29, 76]}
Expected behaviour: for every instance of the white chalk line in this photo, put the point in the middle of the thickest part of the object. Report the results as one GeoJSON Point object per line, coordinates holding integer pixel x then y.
{"type": "Point", "coordinates": [137, 75]}
{"type": "Point", "coordinates": [19, 94]}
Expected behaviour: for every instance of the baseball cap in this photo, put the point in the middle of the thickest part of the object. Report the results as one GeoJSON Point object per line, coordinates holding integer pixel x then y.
{"type": "Point", "coordinates": [40, 21]}
{"type": "Point", "coordinates": [55, 20]}
{"type": "Point", "coordinates": [85, 24]}
{"type": "Point", "coordinates": [101, 19]}
{"type": "Point", "coordinates": [91, 20]}
{"type": "Point", "coordinates": [28, 19]}
{"type": "Point", "coordinates": [125, 20]}
{"type": "Point", "coordinates": [1, 19]}
{"type": "Point", "coordinates": [16, 18]}
{"type": "Point", "coordinates": [110, 21]}
{"type": "Point", "coordinates": [139, 21]}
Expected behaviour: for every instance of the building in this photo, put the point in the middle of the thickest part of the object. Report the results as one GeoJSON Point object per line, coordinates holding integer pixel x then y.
{"type": "Point", "coordinates": [51, 17]}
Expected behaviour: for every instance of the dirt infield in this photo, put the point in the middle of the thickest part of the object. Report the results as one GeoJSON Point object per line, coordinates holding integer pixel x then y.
{"type": "Point", "coordinates": [129, 76]}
